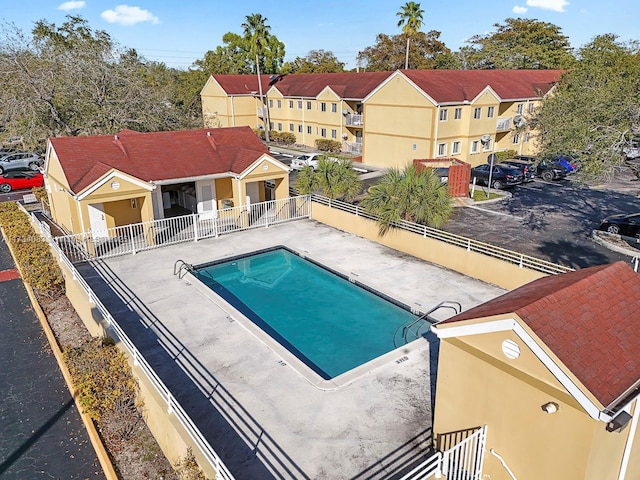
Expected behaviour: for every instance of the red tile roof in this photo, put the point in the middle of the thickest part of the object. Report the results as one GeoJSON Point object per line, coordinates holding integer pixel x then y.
{"type": "Point", "coordinates": [464, 85]}
{"type": "Point", "coordinates": [589, 318]}
{"type": "Point", "coordinates": [157, 155]}
{"type": "Point", "coordinates": [349, 85]}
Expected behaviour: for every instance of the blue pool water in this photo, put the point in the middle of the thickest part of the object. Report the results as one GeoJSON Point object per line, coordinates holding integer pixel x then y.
{"type": "Point", "coordinates": [328, 322]}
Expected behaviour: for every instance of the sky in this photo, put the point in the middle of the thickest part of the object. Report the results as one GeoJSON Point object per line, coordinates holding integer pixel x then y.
{"type": "Point", "coordinates": [179, 32]}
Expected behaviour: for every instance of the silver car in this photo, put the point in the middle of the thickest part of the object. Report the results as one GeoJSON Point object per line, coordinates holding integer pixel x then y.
{"type": "Point", "coordinates": [20, 161]}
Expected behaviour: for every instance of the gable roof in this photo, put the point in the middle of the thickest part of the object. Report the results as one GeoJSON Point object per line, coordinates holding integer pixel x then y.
{"type": "Point", "coordinates": [446, 86]}
{"type": "Point", "coordinates": [157, 156]}
{"type": "Point", "coordinates": [349, 85]}
{"type": "Point", "coordinates": [590, 319]}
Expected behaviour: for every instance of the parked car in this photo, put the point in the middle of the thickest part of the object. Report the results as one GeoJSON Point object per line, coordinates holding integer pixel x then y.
{"type": "Point", "coordinates": [306, 160]}
{"type": "Point", "coordinates": [632, 152]}
{"type": "Point", "coordinates": [566, 161]}
{"type": "Point", "coordinates": [548, 170]}
{"type": "Point", "coordinates": [15, 180]}
{"type": "Point", "coordinates": [501, 176]}
{"type": "Point", "coordinates": [622, 224]}
{"type": "Point", "coordinates": [527, 168]}
{"type": "Point", "coordinates": [20, 161]}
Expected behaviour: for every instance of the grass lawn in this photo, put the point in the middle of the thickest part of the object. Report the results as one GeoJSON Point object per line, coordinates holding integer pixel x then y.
{"type": "Point", "coordinates": [479, 195]}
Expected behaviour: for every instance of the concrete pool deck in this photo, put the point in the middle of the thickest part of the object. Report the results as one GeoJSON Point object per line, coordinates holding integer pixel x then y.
{"type": "Point", "coordinates": [264, 417]}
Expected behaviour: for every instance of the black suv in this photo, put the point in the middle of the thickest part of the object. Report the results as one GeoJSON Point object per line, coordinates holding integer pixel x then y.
{"type": "Point", "coordinates": [545, 169]}
{"type": "Point", "coordinates": [527, 168]}
{"type": "Point", "coordinates": [501, 176]}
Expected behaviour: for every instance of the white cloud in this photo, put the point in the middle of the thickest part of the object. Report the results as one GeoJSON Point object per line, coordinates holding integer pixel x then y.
{"type": "Point", "coordinates": [127, 15]}
{"type": "Point", "coordinates": [555, 5]}
{"type": "Point", "coordinates": [519, 9]}
{"type": "Point", "coordinates": [71, 5]}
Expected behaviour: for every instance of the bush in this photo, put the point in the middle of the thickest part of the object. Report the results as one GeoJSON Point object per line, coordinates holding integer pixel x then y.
{"type": "Point", "coordinates": [32, 252]}
{"type": "Point", "coordinates": [41, 195]}
{"type": "Point", "coordinates": [187, 468]}
{"type": "Point", "coordinates": [286, 138]}
{"type": "Point", "coordinates": [259, 133]}
{"type": "Point", "coordinates": [505, 155]}
{"type": "Point", "coordinates": [327, 145]}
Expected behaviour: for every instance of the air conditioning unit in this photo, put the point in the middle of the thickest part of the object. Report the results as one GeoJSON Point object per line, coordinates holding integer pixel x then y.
{"type": "Point", "coordinates": [345, 111]}
{"type": "Point", "coordinates": [344, 136]}
{"type": "Point", "coordinates": [485, 138]}
{"type": "Point", "coordinates": [518, 120]}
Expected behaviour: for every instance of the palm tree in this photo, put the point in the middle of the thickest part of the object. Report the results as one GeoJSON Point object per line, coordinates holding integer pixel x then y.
{"type": "Point", "coordinates": [336, 178]}
{"type": "Point", "coordinates": [411, 195]}
{"type": "Point", "coordinates": [410, 20]}
{"type": "Point", "coordinates": [257, 32]}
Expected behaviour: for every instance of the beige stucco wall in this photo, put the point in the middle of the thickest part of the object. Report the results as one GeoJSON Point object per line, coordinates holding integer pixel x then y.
{"type": "Point", "coordinates": [481, 386]}
{"type": "Point", "coordinates": [63, 208]}
{"type": "Point", "coordinates": [222, 110]}
{"type": "Point", "coordinates": [473, 264]}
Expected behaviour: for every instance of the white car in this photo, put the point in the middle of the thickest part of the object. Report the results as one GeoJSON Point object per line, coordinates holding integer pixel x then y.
{"type": "Point", "coordinates": [306, 160]}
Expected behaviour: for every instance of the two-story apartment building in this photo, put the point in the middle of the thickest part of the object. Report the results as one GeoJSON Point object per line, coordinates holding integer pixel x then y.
{"type": "Point", "coordinates": [391, 118]}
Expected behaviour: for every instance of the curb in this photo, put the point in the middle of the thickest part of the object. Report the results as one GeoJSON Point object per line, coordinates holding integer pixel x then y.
{"type": "Point", "coordinates": [600, 238]}
{"type": "Point", "coordinates": [96, 441]}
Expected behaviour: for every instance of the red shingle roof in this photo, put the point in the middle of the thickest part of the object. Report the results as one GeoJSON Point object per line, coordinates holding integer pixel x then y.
{"type": "Point", "coordinates": [308, 85]}
{"type": "Point", "coordinates": [589, 318]}
{"type": "Point", "coordinates": [157, 155]}
{"type": "Point", "coordinates": [464, 85]}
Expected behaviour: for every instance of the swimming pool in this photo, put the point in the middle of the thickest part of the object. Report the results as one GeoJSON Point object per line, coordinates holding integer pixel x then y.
{"type": "Point", "coordinates": [331, 323]}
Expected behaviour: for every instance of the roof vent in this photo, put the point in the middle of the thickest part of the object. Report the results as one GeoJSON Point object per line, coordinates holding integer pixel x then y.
{"type": "Point", "coordinates": [208, 134]}
{"type": "Point", "coordinates": [115, 137]}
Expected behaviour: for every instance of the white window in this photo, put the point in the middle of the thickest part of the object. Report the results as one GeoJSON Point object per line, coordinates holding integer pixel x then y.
{"type": "Point", "coordinates": [309, 129]}
{"type": "Point", "coordinates": [531, 107]}
{"type": "Point", "coordinates": [279, 103]}
{"type": "Point", "coordinates": [308, 105]}
{"type": "Point", "coordinates": [520, 108]}
{"type": "Point", "coordinates": [279, 126]}
{"type": "Point", "coordinates": [455, 148]}
{"type": "Point", "coordinates": [486, 146]}
{"type": "Point", "coordinates": [323, 107]}
{"type": "Point", "coordinates": [474, 146]}
{"type": "Point", "coordinates": [290, 103]}
{"type": "Point", "coordinates": [270, 103]}
{"type": "Point", "coordinates": [490, 112]}
{"type": "Point", "coordinates": [270, 125]}
{"type": "Point", "coordinates": [516, 138]}
{"type": "Point", "coordinates": [526, 137]}
{"type": "Point", "coordinates": [300, 128]}
{"type": "Point", "coordinates": [299, 104]}
{"type": "Point", "coordinates": [334, 133]}
{"type": "Point", "coordinates": [477, 112]}
{"type": "Point", "coordinates": [443, 115]}
{"type": "Point", "coordinates": [457, 115]}
{"type": "Point", "coordinates": [442, 149]}
{"type": "Point", "coordinates": [291, 127]}
{"type": "Point", "coordinates": [323, 132]}
{"type": "Point", "coordinates": [334, 107]}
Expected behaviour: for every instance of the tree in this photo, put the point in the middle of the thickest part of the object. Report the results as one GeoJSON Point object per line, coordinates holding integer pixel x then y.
{"type": "Point", "coordinates": [594, 110]}
{"type": "Point", "coordinates": [71, 80]}
{"type": "Point", "coordinates": [519, 44]}
{"type": "Point", "coordinates": [410, 194]}
{"type": "Point", "coordinates": [410, 20]}
{"type": "Point", "coordinates": [336, 178]}
{"type": "Point", "coordinates": [389, 53]}
{"type": "Point", "coordinates": [316, 61]}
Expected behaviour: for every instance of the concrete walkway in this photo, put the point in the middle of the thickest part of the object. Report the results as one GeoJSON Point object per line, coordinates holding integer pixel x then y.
{"type": "Point", "coordinates": [41, 433]}
{"type": "Point", "coordinates": [264, 414]}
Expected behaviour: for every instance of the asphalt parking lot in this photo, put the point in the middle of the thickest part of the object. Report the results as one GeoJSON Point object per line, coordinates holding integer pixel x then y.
{"type": "Point", "coordinates": [551, 220]}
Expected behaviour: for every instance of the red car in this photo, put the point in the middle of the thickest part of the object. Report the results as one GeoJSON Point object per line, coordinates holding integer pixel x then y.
{"type": "Point", "coordinates": [19, 180]}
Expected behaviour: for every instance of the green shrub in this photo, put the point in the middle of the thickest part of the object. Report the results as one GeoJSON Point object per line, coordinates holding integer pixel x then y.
{"type": "Point", "coordinates": [505, 155]}
{"type": "Point", "coordinates": [32, 252]}
{"type": "Point", "coordinates": [260, 133]}
{"type": "Point", "coordinates": [286, 138]}
{"type": "Point", "coordinates": [327, 145]}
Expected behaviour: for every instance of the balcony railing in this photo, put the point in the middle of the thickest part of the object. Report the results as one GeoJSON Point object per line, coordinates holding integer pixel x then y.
{"type": "Point", "coordinates": [262, 112]}
{"type": "Point", "coordinates": [355, 120]}
{"type": "Point", "coordinates": [503, 124]}
{"type": "Point", "coordinates": [353, 147]}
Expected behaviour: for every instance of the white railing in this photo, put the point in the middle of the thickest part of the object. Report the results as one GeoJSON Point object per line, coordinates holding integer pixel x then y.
{"type": "Point", "coordinates": [503, 124]}
{"type": "Point", "coordinates": [520, 259]}
{"type": "Point", "coordinates": [173, 406]}
{"type": "Point", "coordinates": [463, 461]}
{"type": "Point", "coordinates": [355, 120]}
{"type": "Point", "coordinates": [133, 238]}
{"type": "Point", "coordinates": [353, 147]}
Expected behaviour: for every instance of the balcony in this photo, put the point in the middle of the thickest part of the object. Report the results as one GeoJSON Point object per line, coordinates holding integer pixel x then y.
{"type": "Point", "coordinates": [355, 120]}
{"type": "Point", "coordinates": [353, 147]}
{"type": "Point", "coordinates": [504, 124]}
{"type": "Point", "coordinates": [262, 112]}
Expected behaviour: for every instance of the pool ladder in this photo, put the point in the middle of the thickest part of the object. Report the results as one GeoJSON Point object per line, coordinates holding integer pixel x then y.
{"type": "Point", "coordinates": [421, 321]}
{"type": "Point", "coordinates": [180, 268]}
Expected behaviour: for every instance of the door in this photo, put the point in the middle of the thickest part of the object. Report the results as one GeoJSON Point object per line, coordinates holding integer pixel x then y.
{"type": "Point", "coordinates": [98, 221]}
{"type": "Point", "coordinates": [253, 192]}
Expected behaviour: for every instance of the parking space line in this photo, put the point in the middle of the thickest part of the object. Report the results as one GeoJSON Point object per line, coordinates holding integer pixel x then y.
{"type": "Point", "coordinates": [495, 213]}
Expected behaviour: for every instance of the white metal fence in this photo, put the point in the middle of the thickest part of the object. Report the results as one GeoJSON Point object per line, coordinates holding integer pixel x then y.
{"type": "Point", "coordinates": [463, 461]}
{"type": "Point", "coordinates": [130, 239]}
{"type": "Point", "coordinates": [173, 406]}
{"type": "Point", "coordinates": [520, 259]}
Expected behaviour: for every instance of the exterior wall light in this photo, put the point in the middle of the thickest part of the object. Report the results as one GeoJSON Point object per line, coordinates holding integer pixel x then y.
{"type": "Point", "coordinates": [550, 407]}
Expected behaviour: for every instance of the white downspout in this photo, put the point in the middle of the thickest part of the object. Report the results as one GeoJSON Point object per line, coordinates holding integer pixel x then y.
{"type": "Point", "coordinates": [304, 127]}
{"type": "Point", "coordinates": [233, 113]}
{"type": "Point", "coordinates": [624, 464]}
{"type": "Point", "coordinates": [435, 140]}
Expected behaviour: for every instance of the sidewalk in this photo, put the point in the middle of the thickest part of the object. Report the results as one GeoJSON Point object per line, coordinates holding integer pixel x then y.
{"type": "Point", "coordinates": [42, 435]}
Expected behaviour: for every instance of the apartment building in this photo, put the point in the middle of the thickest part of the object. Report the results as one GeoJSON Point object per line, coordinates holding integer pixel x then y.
{"type": "Point", "coordinates": [390, 118]}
